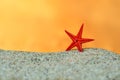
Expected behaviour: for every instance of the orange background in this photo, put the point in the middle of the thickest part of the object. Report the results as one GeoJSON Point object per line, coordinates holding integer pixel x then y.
{"type": "Point", "coordinates": [38, 25]}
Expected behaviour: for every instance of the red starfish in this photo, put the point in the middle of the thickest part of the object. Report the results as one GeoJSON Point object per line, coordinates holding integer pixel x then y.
{"type": "Point", "coordinates": [77, 40]}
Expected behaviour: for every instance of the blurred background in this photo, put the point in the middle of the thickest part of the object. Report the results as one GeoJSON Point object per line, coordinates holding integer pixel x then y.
{"type": "Point", "coordinates": [38, 25]}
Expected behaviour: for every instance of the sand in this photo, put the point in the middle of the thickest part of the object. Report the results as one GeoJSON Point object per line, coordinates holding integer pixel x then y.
{"type": "Point", "coordinates": [91, 64]}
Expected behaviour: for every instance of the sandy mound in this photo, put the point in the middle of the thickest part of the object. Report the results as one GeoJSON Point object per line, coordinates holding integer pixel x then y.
{"type": "Point", "coordinates": [92, 64]}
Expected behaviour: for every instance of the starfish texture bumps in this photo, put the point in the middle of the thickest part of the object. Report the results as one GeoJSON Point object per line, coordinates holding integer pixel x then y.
{"type": "Point", "coordinates": [77, 40]}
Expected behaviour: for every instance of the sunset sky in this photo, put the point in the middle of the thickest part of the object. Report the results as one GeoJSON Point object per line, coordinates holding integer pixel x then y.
{"type": "Point", "coordinates": [38, 25]}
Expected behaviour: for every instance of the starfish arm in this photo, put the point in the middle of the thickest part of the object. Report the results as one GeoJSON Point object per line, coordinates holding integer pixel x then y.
{"type": "Point", "coordinates": [70, 35]}
{"type": "Point", "coordinates": [79, 35]}
{"type": "Point", "coordinates": [70, 46]}
{"type": "Point", "coordinates": [84, 40]}
{"type": "Point", "coordinates": [79, 46]}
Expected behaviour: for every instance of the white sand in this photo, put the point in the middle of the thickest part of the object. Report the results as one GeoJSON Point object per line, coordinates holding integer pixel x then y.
{"type": "Point", "coordinates": [92, 64]}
